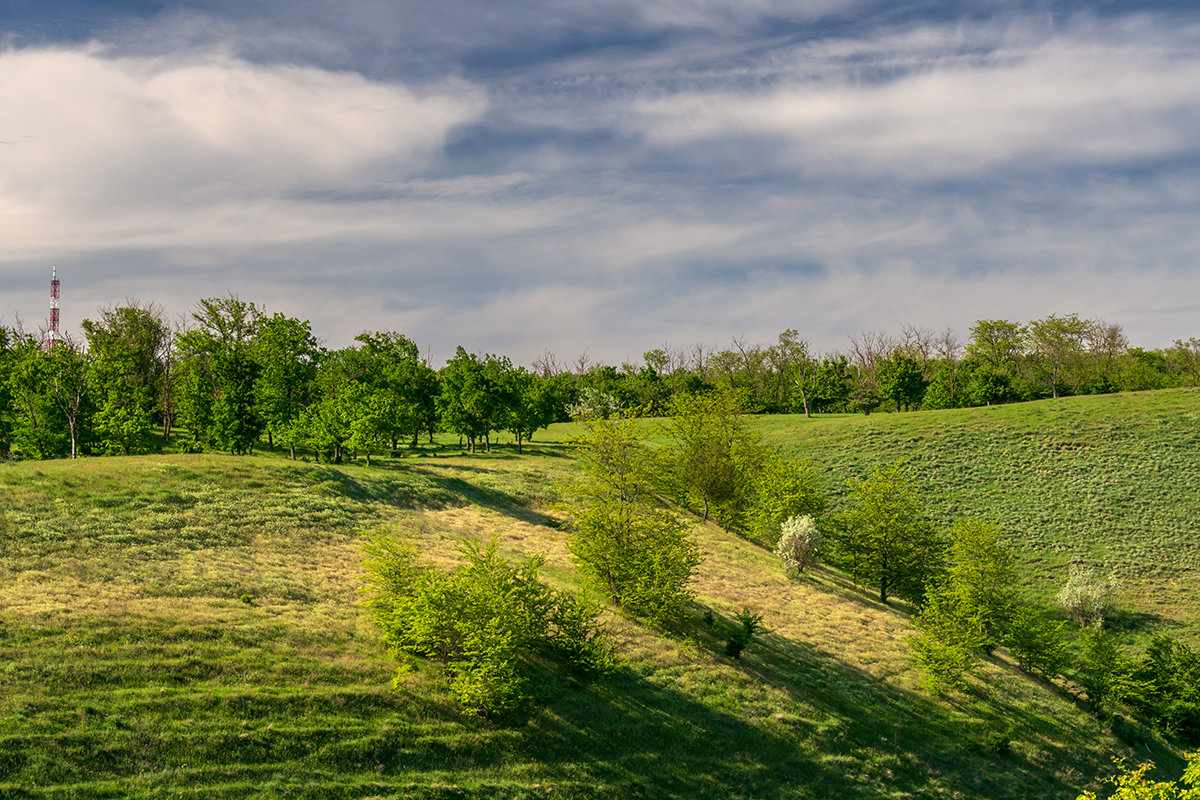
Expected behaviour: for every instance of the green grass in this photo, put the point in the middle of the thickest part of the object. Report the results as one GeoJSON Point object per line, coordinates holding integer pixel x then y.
{"type": "Point", "coordinates": [1113, 480]}
{"type": "Point", "coordinates": [188, 626]}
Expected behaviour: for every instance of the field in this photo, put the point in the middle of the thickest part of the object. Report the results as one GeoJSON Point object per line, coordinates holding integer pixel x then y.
{"type": "Point", "coordinates": [189, 626]}
{"type": "Point", "coordinates": [1111, 480]}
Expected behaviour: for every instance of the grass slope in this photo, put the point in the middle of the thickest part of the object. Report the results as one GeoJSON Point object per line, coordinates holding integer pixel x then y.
{"type": "Point", "coordinates": [1113, 480]}
{"type": "Point", "coordinates": [187, 626]}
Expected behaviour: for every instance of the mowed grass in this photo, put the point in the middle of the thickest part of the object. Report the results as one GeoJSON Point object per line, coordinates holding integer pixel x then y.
{"type": "Point", "coordinates": [1110, 480]}
{"type": "Point", "coordinates": [189, 626]}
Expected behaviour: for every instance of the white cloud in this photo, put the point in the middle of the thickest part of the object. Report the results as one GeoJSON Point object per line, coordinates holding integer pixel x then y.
{"type": "Point", "coordinates": [1070, 99]}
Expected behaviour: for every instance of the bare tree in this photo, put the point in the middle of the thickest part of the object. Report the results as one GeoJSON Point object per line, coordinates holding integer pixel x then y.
{"type": "Point", "coordinates": [546, 365]}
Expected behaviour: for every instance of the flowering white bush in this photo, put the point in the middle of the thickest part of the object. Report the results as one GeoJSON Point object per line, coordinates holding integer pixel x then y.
{"type": "Point", "coordinates": [799, 540]}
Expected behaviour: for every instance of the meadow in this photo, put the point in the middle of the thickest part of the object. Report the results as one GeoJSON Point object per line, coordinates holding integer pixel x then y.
{"type": "Point", "coordinates": [190, 626]}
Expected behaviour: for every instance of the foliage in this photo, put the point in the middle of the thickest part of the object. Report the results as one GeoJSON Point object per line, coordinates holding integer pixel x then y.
{"type": "Point", "coordinates": [781, 488]}
{"type": "Point", "coordinates": [1087, 597]}
{"type": "Point", "coordinates": [799, 543]}
{"type": "Point", "coordinates": [748, 624]}
{"type": "Point", "coordinates": [969, 607]}
{"type": "Point", "coordinates": [884, 539]}
{"type": "Point", "coordinates": [487, 621]}
{"type": "Point", "coordinates": [980, 579]}
{"type": "Point", "coordinates": [1037, 642]}
{"type": "Point", "coordinates": [713, 455]}
{"type": "Point", "coordinates": [1131, 783]}
{"type": "Point", "coordinates": [1106, 672]}
{"type": "Point", "coordinates": [638, 552]}
{"type": "Point", "coordinates": [1170, 671]}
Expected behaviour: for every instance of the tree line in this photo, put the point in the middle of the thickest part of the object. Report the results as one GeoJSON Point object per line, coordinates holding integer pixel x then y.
{"type": "Point", "coordinates": [232, 377]}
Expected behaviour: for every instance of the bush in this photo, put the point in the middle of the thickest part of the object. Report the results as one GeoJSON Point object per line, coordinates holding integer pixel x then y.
{"type": "Point", "coordinates": [799, 541]}
{"type": "Point", "coordinates": [1087, 597]}
{"type": "Point", "coordinates": [1131, 783]}
{"type": "Point", "coordinates": [1037, 643]}
{"type": "Point", "coordinates": [747, 624]}
{"type": "Point", "coordinates": [487, 621]}
{"type": "Point", "coordinates": [638, 552]}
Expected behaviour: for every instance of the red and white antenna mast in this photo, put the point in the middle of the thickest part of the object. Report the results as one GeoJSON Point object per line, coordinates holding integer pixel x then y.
{"type": "Point", "coordinates": [53, 337]}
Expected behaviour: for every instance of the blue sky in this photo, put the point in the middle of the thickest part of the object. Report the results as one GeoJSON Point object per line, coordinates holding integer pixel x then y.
{"type": "Point", "coordinates": [606, 177]}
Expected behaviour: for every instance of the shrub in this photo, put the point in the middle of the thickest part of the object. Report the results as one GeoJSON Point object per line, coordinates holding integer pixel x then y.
{"type": "Point", "coordinates": [747, 624]}
{"type": "Point", "coordinates": [799, 541]}
{"type": "Point", "coordinates": [1131, 783]}
{"type": "Point", "coordinates": [1037, 643]}
{"type": "Point", "coordinates": [1087, 597]}
{"type": "Point", "coordinates": [487, 621]}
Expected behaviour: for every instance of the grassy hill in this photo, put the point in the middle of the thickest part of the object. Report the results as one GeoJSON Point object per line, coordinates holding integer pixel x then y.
{"type": "Point", "coordinates": [188, 626]}
{"type": "Point", "coordinates": [1113, 480]}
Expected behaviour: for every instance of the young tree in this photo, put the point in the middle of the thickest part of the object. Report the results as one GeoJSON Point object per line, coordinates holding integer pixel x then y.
{"type": "Point", "coordinates": [782, 489]}
{"type": "Point", "coordinates": [634, 549]}
{"type": "Point", "coordinates": [38, 427]}
{"type": "Point", "coordinates": [799, 542]}
{"type": "Point", "coordinates": [901, 380]}
{"type": "Point", "coordinates": [713, 455]}
{"type": "Point", "coordinates": [884, 538]}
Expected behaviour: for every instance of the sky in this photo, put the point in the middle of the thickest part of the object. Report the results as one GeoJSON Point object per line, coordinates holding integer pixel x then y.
{"type": "Point", "coordinates": [605, 178]}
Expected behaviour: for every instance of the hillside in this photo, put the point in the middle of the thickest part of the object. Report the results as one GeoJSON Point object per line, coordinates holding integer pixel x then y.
{"type": "Point", "coordinates": [187, 626]}
{"type": "Point", "coordinates": [1113, 480]}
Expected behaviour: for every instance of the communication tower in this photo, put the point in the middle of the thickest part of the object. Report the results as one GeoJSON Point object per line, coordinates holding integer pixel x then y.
{"type": "Point", "coordinates": [53, 337]}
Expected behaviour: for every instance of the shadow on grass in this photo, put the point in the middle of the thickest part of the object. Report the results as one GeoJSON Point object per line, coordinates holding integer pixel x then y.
{"type": "Point", "coordinates": [415, 486]}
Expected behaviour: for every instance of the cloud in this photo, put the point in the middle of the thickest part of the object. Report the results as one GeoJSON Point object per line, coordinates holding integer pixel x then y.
{"type": "Point", "coordinates": [934, 106]}
{"type": "Point", "coordinates": [129, 145]}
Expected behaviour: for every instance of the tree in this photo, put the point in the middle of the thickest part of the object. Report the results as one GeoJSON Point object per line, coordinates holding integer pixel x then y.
{"type": "Point", "coordinates": [782, 488]}
{"type": "Point", "coordinates": [230, 327]}
{"type": "Point", "coordinates": [128, 347]}
{"type": "Point", "coordinates": [67, 378]}
{"type": "Point", "coordinates": [998, 344]}
{"type": "Point", "coordinates": [968, 608]}
{"type": "Point", "coordinates": [38, 427]}
{"type": "Point", "coordinates": [1087, 597]}
{"type": "Point", "coordinates": [285, 386]}
{"type": "Point", "coordinates": [884, 539]}
{"type": "Point", "coordinates": [901, 380]}
{"type": "Point", "coordinates": [1056, 346]}
{"type": "Point", "coordinates": [638, 552]}
{"type": "Point", "coordinates": [713, 455]}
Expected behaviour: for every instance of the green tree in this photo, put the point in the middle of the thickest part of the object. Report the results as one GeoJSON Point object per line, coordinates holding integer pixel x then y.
{"type": "Point", "coordinates": [128, 347]}
{"type": "Point", "coordinates": [232, 327]}
{"type": "Point", "coordinates": [638, 552]}
{"type": "Point", "coordinates": [713, 455]}
{"type": "Point", "coordinates": [1056, 348]}
{"type": "Point", "coordinates": [900, 380]}
{"type": "Point", "coordinates": [38, 427]}
{"type": "Point", "coordinates": [288, 357]}
{"type": "Point", "coordinates": [1037, 642]}
{"type": "Point", "coordinates": [781, 488]}
{"type": "Point", "coordinates": [67, 378]}
{"type": "Point", "coordinates": [884, 539]}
